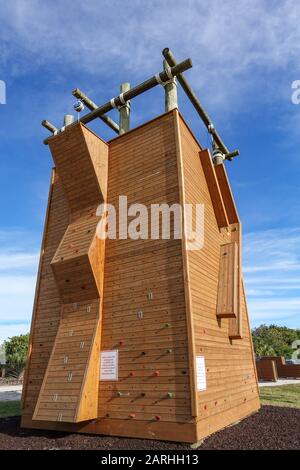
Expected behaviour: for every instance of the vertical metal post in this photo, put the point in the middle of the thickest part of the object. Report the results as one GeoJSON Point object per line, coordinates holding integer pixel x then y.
{"type": "Point", "coordinates": [68, 119]}
{"type": "Point", "coordinates": [171, 101]}
{"type": "Point", "coordinates": [124, 110]}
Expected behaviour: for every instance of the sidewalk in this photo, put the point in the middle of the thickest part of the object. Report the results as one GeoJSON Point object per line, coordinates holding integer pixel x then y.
{"type": "Point", "coordinates": [279, 383]}
{"type": "Point", "coordinates": [10, 392]}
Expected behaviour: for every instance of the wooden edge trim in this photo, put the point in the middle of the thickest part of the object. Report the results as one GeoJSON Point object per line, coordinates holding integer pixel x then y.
{"type": "Point", "coordinates": [54, 138]}
{"type": "Point", "coordinates": [227, 196]}
{"type": "Point", "coordinates": [235, 326]}
{"type": "Point", "coordinates": [158, 430]}
{"type": "Point", "coordinates": [250, 334]}
{"type": "Point", "coordinates": [37, 289]}
{"type": "Point", "coordinates": [187, 292]}
{"type": "Point", "coordinates": [41, 391]}
{"type": "Point", "coordinates": [214, 188]}
{"type": "Point", "coordinates": [88, 367]}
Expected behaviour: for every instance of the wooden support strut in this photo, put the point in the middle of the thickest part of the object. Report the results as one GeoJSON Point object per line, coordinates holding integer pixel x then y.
{"type": "Point", "coordinates": [170, 87]}
{"type": "Point", "coordinates": [157, 79]}
{"type": "Point", "coordinates": [124, 110]}
{"type": "Point", "coordinates": [50, 127]}
{"type": "Point", "coordinates": [197, 105]}
{"type": "Point", "coordinates": [92, 106]}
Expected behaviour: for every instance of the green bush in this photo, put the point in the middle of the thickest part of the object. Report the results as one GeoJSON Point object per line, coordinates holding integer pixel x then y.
{"type": "Point", "coordinates": [16, 349]}
{"type": "Point", "coordinates": [274, 340]}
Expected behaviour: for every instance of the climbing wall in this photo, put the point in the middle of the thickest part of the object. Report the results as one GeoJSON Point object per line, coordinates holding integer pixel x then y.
{"type": "Point", "coordinates": [176, 320]}
{"type": "Point", "coordinates": [218, 302]}
{"type": "Point", "coordinates": [69, 389]}
{"type": "Point", "coordinates": [144, 314]}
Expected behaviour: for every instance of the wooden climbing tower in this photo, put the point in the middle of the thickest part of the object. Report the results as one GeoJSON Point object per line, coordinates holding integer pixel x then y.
{"type": "Point", "coordinates": [139, 337]}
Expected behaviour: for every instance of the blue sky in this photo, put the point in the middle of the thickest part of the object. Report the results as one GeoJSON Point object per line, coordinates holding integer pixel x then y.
{"type": "Point", "coordinates": [245, 55]}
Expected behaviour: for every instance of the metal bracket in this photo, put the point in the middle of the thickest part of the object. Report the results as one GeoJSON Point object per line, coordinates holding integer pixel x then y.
{"type": "Point", "coordinates": [140, 314]}
{"type": "Point", "coordinates": [150, 295]}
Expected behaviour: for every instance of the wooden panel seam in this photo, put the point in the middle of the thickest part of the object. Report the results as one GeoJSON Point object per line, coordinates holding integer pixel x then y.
{"type": "Point", "coordinates": [188, 297]}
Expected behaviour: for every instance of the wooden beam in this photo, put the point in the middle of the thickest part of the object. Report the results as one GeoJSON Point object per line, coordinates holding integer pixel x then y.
{"type": "Point", "coordinates": [227, 300]}
{"type": "Point", "coordinates": [235, 325]}
{"type": "Point", "coordinates": [152, 82]}
{"type": "Point", "coordinates": [171, 101]}
{"type": "Point", "coordinates": [231, 210]}
{"type": "Point", "coordinates": [50, 127]}
{"type": "Point", "coordinates": [124, 111]}
{"type": "Point", "coordinates": [92, 106]}
{"type": "Point", "coordinates": [214, 188]}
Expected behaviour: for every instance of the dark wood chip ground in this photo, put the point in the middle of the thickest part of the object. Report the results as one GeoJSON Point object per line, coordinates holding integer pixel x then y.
{"type": "Point", "coordinates": [271, 428]}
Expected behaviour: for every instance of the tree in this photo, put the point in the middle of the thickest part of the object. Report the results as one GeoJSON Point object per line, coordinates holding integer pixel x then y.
{"type": "Point", "coordinates": [16, 349]}
{"type": "Point", "coordinates": [274, 340]}
{"type": "Point", "coordinates": [2, 354]}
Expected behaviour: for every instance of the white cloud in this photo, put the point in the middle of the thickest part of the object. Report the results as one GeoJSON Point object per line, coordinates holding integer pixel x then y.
{"type": "Point", "coordinates": [18, 267]}
{"type": "Point", "coordinates": [230, 41]}
{"type": "Point", "coordinates": [9, 261]}
{"type": "Point", "coordinates": [7, 331]}
{"type": "Point", "coordinates": [272, 275]}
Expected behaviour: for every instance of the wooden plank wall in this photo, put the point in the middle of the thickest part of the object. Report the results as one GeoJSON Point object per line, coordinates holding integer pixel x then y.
{"type": "Point", "coordinates": [228, 285]}
{"type": "Point", "coordinates": [231, 381]}
{"type": "Point", "coordinates": [266, 370]}
{"type": "Point", "coordinates": [46, 314]}
{"type": "Point", "coordinates": [146, 279]}
{"type": "Point", "coordinates": [147, 276]}
{"type": "Point", "coordinates": [70, 387]}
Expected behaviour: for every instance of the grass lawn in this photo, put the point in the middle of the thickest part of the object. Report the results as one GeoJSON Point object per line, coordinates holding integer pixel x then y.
{"type": "Point", "coordinates": [10, 408]}
{"type": "Point", "coordinates": [286, 395]}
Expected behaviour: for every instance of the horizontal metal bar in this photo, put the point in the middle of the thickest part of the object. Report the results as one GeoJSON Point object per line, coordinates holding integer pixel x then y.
{"type": "Point", "coordinates": [194, 100]}
{"type": "Point", "coordinates": [91, 106]}
{"type": "Point", "coordinates": [50, 127]}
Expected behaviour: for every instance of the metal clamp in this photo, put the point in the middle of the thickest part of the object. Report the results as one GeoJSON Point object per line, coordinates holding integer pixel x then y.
{"type": "Point", "coordinates": [125, 104]}
{"type": "Point", "coordinates": [170, 76]}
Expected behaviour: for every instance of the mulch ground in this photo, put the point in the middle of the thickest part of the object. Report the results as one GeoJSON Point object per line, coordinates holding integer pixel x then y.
{"type": "Point", "coordinates": [271, 428]}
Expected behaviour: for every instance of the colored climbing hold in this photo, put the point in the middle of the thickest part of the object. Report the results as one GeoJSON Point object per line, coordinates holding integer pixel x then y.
{"type": "Point", "coordinates": [158, 418]}
{"type": "Point", "coordinates": [170, 395]}
{"type": "Point", "coordinates": [156, 373]}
